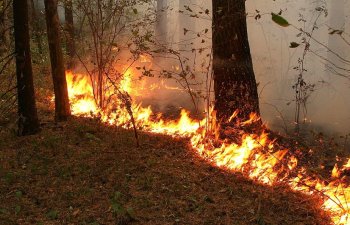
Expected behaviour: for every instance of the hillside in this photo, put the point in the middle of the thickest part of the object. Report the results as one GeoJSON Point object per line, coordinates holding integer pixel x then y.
{"type": "Point", "coordinates": [83, 172]}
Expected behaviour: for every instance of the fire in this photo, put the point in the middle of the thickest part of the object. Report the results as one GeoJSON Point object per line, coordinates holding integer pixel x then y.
{"type": "Point", "coordinates": [347, 165]}
{"type": "Point", "coordinates": [254, 155]}
{"type": "Point", "coordinates": [145, 58]}
{"type": "Point", "coordinates": [81, 93]}
{"type": "Point", "coordinates": [335, 172]}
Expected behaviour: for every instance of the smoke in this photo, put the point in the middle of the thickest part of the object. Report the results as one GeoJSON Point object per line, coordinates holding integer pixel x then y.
{"type": "Point", "coordinates": [187, 30]}
{"type": "Point", "coordinates": [327, 107]}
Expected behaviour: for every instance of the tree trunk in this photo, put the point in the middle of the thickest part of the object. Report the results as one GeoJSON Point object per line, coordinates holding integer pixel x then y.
{"type": "Point", "coordinates": [36, 27]}
{"type": "Point", "coordinates": [28, 119]}
{"type": "Point", "coordinates": [187, 29]}
{"type": "Point", "coordinates": [234, 80]}
{"type": "Point", "coordinates": [161, 27]}
{"type": "Point", "coordinates": [337, 21]}
{"type": "Point", "coordinates": [69, 28]}
{"type": "Point", "coordinates": [4, 27]}
{"type": "Point", "coordinates": [62, 108]}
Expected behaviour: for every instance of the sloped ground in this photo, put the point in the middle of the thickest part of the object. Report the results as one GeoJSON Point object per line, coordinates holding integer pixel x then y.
{"type": "Point", "coordinates": [82, 172]}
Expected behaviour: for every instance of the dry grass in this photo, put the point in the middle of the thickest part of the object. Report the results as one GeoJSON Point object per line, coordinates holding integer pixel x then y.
{"type": "Point", "coordinates": [82, 172]}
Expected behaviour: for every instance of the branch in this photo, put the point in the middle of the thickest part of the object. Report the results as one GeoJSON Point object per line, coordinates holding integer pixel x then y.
{"type": "Point", "coordinates": [9, 59]}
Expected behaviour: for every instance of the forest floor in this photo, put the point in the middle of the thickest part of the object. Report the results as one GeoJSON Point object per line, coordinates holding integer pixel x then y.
{"type": "Point", "coordinates": [83, 172]}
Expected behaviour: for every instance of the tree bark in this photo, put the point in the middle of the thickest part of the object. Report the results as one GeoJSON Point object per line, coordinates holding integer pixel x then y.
{"type": "Point", "coordinates": [28, 122]}
{"type": "Point", "coordinates": [36, 27]}
{"type": "Point", "coordinates": [188, 23]}
{"type": "Point", "coordinates": [62, 108]}
{"type": "Point", "coordinates": [161, 27]}
{"type": "Point", "coordinates": [70, 36]}
{"type": "Point", "coordinates": [4, 27]}
{"type": "Point", "coordinates": [234, 80]}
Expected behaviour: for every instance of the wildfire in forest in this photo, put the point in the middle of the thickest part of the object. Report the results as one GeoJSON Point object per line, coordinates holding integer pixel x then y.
{"type": "Point", "coordinates": [254, 155]}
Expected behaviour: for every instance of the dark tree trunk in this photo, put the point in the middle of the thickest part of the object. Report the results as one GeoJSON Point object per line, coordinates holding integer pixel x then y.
{"type": "Point", "coordinates": [28, 119]}
{"type": "Point", "coordinates": [62, 108]}
{"type": "Point", "coordinates": [234, 80]}
{"type": "Point", "coordinates": [69, 28]}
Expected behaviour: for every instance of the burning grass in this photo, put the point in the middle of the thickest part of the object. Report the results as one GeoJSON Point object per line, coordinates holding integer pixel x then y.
{"type": "Point", "coordinates": [249, 177]}
{"type": "Point", "coordinates": [255, 154]}
{"type": "Point", "coordinates": [84, 172]}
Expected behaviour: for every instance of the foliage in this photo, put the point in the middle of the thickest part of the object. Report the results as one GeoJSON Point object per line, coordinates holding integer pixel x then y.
{"type": "Point", "coordinates": [303, 87]}
{"type": "Point", "coordinates": [277, 18]}
{"type": "Point", "coordinates": [52, 214]}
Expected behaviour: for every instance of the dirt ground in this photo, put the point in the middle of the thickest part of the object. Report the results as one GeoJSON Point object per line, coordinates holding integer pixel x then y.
{"type": "Point", "coordinates": [83, 172]}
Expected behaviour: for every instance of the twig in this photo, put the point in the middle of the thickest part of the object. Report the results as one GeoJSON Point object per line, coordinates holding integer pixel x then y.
{"type": "Point", "coordinates": [126, 98]}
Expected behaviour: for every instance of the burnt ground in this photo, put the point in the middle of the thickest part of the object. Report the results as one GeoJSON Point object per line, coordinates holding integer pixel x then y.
{"type": "Point", "coordinates": [82, 172]}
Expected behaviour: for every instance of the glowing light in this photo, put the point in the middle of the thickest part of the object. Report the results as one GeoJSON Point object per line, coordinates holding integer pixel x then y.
{"type": "Point", "coordinates": [254, 154]}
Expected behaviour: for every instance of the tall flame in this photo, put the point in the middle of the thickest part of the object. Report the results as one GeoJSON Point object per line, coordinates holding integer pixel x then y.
{"type": "Point", "coordinates": [255, 155]}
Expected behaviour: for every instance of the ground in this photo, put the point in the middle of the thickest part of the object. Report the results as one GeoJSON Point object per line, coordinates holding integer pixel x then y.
{"type": "Point", "coordinates": [84, 172]}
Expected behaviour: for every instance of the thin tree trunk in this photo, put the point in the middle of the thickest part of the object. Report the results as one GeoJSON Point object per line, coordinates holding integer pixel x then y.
{"type": "Point", "coordinates": [62, 108]}
{"type": "Point", "coordinates": [69, 28]}
{"type": "Point", "coordinates": [234, 80]}
{"type": "Point", "coordinates": [28, 119]}
{"type": "Point", "coordinates": [4, 27]}
{"type": "Point", "coordinates": [36, 27]}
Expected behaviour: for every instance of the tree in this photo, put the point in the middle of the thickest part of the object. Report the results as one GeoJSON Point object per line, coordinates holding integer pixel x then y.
{"type": "Point", "coordinates": [161, 27]}
{"type": "Point", "coordinates": [4, 26]}
{"type": "Point", "coordinates": [69, 28]}
{"type": "Point", "coordinates": [62, 108]}
{"type": "Point", "coordinates": [108, 21]}
{"type": "Point", "coordinates": [28, 119]}
{"type": "Point", "coordinates": [234, 80]}
{"type": "Point", "coordinates": [37, 26]}
{"type": "Point", "coordinates": [187, 29]}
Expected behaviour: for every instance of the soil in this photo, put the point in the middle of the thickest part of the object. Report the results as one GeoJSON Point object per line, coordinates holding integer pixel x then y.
{"type": "Point", "coordinates": [84, 172]}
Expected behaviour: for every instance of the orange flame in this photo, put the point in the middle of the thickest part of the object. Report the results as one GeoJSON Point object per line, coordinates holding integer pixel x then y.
{"type": "Point", "coordinates": [255, 156]}
{"type": "Point", "coordinates": [347, 165]}
{"type": "Point", "coordinates": [145, 58]}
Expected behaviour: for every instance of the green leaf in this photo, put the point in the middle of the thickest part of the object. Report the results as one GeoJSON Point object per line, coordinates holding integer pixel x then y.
{"type": "Point", "coordinates": [294, 45]}
{"type": "Point", "coordinates": [17, 209]}
{"type": "Point", "coordinates": [279, 20]}
{"type": "Point", "coordinates": [19, 194]}
{"type": "Point", "coordinates": [134, 10]}
{"type": "Point", "coordinates": [52, 214]}
{"type": "Point", "coordinates": [116, 196]}
{"type": "Point", "coordinates": [117, 208]}
{"type": "Point", "coordinates": [130, 211]}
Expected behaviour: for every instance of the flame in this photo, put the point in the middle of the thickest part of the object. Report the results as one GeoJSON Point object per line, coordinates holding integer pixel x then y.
{"type": "Point", "coordinates": [81, 94]}
{"type": "Point", "coordinates": [336, 172]}
{"type": "Point", "coordinates": [347, 165]}
{"type": "Point", "coordinates": [145, 58]}
{"type": "Point", "coordinates": [254, 155]}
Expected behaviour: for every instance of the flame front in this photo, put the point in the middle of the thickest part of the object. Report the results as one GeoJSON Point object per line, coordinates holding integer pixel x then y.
{"type": "Point", "coordinates": [255, 156]}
